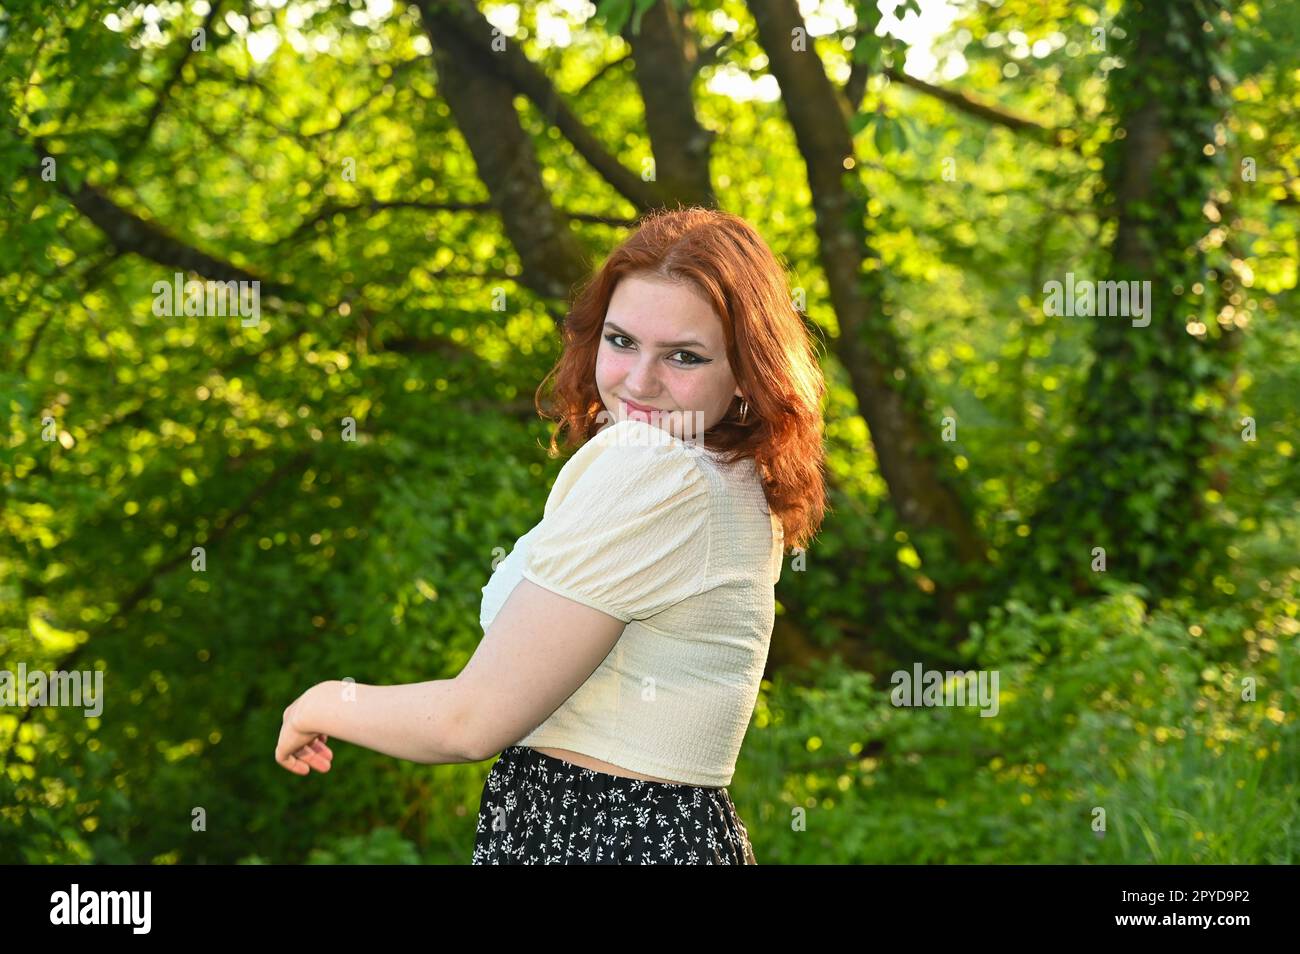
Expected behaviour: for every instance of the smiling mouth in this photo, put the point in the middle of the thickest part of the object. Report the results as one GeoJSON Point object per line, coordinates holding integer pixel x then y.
{"type": "Point", "coordinates": [641, 408]}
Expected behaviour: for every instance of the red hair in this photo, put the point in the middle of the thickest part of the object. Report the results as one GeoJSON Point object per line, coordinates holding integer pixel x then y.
{"type": "Point", "coordinates": [768, 348]}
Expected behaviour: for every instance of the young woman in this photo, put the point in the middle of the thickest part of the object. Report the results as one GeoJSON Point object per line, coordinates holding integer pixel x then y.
{"type": "Point", "coordinates": [626, 633]}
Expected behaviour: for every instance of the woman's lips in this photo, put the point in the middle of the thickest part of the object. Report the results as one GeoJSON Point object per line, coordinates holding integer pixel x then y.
{"type": "Point", "coordinates": [640, 408]}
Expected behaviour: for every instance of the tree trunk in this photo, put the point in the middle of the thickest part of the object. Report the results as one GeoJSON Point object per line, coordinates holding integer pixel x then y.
{"type": "Point", "coordinates": [1131, 479]}
{"type": "Point", "coordinates": [905, 429]}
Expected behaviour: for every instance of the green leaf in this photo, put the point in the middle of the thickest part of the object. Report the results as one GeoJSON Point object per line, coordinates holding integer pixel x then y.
{"type": "Point", "coordinates": [615, 14]}
{"type": "Point", "coordinates": [900, 134]}
{"type": "Point", "coordinates": [641, 7]}
{"type": "Point", "coordinates": [884, 135]}
{"type": "Point", "coordinates": [866, 49]}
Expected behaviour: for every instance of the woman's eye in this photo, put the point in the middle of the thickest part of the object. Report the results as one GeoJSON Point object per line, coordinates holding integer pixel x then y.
{"type": "Point", "coordinates": [691, 358]}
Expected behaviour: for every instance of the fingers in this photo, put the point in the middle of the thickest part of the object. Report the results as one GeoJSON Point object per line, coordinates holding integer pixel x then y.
{"type": "Point", "coordinates": [316, 748]}
{"type": "Point", "coordinates": [294, 764]}
{"type": "Point", "coordinates": [303, 766]}
{"type": "Point", "coordinates": [315, 755]}
{"type": "Point", "coordinates": [312, 756]}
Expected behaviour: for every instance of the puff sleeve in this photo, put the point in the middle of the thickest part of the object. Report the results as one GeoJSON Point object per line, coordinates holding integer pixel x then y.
{"type": "Point", "coordinates": [630, 535]}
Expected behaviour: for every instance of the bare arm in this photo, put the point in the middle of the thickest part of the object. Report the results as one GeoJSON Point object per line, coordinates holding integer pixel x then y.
{"type": "Point", "coordinates": [414, 721]}
{"type": "Point", "coordinates": [539, 650]}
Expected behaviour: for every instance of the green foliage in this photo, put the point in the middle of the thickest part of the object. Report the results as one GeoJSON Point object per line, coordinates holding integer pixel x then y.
{"type": "Point", "coordinates": [329, 558]}
{"type": "Point", "coordinates": [1153, 406]}
{"type": "Point", "coordinates": [1105, 706]}
{"type": "Point", "coordinates": [616, 13]}
{"type": "Point", "coordinates": [382, 846]}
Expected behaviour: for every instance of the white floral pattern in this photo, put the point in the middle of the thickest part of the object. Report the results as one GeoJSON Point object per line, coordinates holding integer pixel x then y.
{"type": "Point", "coordinates": [537, 809]}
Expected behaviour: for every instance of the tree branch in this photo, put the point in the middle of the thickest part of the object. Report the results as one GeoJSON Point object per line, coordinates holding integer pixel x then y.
{"type": "Point", "coordinates": [981, 109]}
{"type": "Point", "coordinates": [129, 233]}
{"type": "Point", "coordinates": [459, 23]}
{"type": "Point", "coordinates": [376, 205]}
{"type": "Point", "coordinates": [482, 103]}
{"type": "Point", "coordinates": [679, 143]}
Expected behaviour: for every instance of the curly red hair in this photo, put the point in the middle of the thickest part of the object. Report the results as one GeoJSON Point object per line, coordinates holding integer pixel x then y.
{"type": "Point", "coordinates": [768, 347]}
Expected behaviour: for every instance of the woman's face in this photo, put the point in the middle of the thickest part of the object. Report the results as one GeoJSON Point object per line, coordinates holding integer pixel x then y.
{"type": "Point", "coordinates": [662, 348]}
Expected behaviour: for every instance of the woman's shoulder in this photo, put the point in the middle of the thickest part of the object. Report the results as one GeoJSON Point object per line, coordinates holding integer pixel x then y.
{"type": "Point", "coordinates": [635, 444]}
{"type": "Point", "coordinates": [632, 461]}
{"type": "Point", "coordinates": [641, 434]}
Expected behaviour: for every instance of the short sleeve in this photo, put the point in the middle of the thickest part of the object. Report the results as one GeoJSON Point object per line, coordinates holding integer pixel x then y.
{"type": "Point", "coordinates": [630, 536]}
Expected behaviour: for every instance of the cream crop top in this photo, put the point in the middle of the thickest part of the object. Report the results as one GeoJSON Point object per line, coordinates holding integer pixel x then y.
{"type": "Point", "coordinates": [683, 548]}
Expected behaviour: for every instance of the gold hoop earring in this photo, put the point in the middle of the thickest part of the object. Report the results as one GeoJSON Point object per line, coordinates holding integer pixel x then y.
{"type": "Point", "coordinates": [744, 410]}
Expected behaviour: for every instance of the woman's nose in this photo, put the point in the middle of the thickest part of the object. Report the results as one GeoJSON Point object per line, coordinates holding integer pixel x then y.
{"type": "Point", "coordinates": [642, 379]}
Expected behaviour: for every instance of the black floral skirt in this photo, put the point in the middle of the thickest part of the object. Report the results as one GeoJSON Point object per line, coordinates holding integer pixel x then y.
{"type": "Point", "coordinates": [540, 810]}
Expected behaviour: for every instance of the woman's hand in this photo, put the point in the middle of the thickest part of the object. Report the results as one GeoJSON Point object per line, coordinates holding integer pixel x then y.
{"type": "Point", "coordinates": [300, 750]}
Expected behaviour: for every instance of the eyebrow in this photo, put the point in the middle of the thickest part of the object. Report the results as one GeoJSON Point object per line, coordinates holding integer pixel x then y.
{"type": "Point", "coordinates": [661, 344]}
